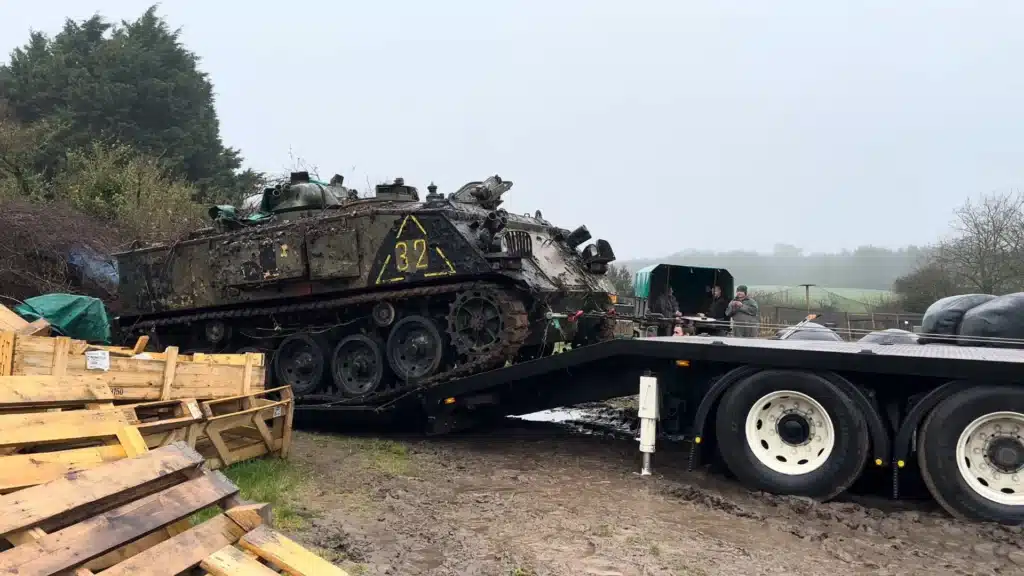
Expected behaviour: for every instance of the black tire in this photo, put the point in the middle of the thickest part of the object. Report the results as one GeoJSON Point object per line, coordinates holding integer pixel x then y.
{"type": "Point", "coordinates": [840, 469]}
{"type": "Point", "coordinates": [936, 452]}
{"type": "Point", "coordinates": [396, 358]}
{"type": "Point", "coordinates": [347, 382]}
{"type": "Point", "coordinates": [313, 375]}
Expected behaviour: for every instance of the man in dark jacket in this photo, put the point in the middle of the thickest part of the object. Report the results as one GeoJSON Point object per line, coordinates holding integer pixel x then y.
{"type": "Point", "coordinates": [745, 314]}
{"type": "Point", "coordinates": [718, 304]}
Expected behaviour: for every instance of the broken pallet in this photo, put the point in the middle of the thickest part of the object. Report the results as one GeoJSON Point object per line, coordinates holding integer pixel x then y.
{"type": "Point", "coordinates": [125, 518]}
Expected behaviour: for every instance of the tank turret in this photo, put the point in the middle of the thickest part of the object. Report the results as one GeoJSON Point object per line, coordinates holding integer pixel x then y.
{"type": "Point", "coordinates": [301, 193]}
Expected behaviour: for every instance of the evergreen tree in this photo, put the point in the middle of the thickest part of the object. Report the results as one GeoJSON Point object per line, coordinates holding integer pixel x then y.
{"type": "Point", "coordinates": [133, 83]}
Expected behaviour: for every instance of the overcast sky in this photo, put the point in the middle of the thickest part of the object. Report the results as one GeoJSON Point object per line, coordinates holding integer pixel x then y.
{"type": "Point", "coordinates": [661, 125]}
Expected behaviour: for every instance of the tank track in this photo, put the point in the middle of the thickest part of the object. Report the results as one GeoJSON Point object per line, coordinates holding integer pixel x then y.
{"type": "Point", "coordinates": [516, 330]}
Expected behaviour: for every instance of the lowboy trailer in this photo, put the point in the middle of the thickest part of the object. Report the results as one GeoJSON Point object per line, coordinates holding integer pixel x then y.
{"type": "Point", "coordinates": [789, 417]}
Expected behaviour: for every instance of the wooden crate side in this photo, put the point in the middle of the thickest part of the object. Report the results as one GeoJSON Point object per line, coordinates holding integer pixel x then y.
{"type": "Point", "coordinates": [144, 378]}
{"type": "Point", "coordinates": [244, 434]}
{"type": "Point", "coordinates": [72, 546]}
{"type": "Point", "coordinates": [53, 390]}
{"type": "Point", "coordinates": [33, 506]}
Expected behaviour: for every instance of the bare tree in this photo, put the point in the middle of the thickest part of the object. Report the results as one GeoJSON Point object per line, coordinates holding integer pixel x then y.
{"type": "Point", "coordinates": [986, 254]}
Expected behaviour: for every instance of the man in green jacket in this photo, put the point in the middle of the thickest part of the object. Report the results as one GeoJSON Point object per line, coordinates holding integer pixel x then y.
{"type": "Point", "coordinates": [745, 314]}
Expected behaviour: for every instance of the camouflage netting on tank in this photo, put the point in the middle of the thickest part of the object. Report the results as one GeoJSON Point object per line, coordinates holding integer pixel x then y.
{"type": "Point", "coordinates": [53, 248]}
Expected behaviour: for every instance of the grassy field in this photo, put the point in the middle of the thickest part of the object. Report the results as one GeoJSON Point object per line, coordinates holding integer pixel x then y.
{"type": "Point", "coordinates": [844, 299]}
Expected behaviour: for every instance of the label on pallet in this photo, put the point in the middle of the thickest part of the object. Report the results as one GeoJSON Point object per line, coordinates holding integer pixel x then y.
{"type": "Point", "coordinates": [278, 411]}
{"type": "Point", "coordinates": [193, 409]}
{"type": "Point", "coordinates": [97, 360]}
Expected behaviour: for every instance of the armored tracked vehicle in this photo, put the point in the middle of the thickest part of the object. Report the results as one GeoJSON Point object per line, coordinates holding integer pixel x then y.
{"type": "Point", "coordinates": [360, 299]}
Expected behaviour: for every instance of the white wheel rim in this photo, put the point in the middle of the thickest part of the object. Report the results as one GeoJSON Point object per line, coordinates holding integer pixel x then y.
{"type": "Point", "coordinates": [788, 453]}
{"type": "Point", "coordinates": [982, 440]}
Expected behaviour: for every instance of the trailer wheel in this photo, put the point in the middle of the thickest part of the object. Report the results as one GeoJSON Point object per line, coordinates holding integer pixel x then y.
{"type": "Point", "coordinates": [971, 454]}
{"type": "Point", "coordinates": [790, 432]}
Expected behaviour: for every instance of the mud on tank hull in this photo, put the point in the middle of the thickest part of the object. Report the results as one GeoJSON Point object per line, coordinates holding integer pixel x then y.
{"type": "Point", "coordinates": [368, 300]}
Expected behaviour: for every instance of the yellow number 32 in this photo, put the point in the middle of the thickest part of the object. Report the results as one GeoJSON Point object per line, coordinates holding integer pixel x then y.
{"type": "Point", "coordinates": [419, 252]}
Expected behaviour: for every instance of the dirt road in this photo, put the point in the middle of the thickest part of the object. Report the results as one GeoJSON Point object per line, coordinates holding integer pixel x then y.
{"type": "Point", "coordinates": [538, 499]}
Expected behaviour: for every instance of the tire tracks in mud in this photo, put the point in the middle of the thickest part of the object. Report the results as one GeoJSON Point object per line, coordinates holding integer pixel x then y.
{"type": "Point", "coordinates": [564, 498]}
{"type": "Point", "coordinates": [879, 536]}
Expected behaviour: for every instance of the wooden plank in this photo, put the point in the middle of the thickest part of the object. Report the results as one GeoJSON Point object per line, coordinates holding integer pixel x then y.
{"type": "Point", "coordinates": [254, 395]}
{"type": "Point", "coordinates": [169, 367]}
{"type": "Point", "coordinates": [78, 389]}
{"type": "Point", "coordinates": [289, 421]}
{"type": "Point", "coordinates": [48, 427]}
{"type": "Point", "coordinates": [140, 345]}
{"type": "Point", "coordinates": [10, 321]}
{"type": "Point", "coordinates": [230, 561]}
{"type": "Point", "coordinates": [254, 450]}
{"type": "Point", "coordinates": [61, 349]}
{"type": "Point", "coordinates": [6, 353]}
{"type": "Point", "coordinates": [249, 515]}
{"type": "Point", "coordinates": [39, 327]}
{"type": "Point", "coordinates": [285, 553]}
{"type": "Point", "coordinates": [24, 470]}
{"type": "Point", "coordinates": [247, 374]}
{"type": "Point", "coordinates": [33, 506]}
{"type": "Point", "coordinates": [184, 551]}
{"type": "Point", "coordinates": [249, 411]}
{"type": "Point", "coordinates": [79, 543]}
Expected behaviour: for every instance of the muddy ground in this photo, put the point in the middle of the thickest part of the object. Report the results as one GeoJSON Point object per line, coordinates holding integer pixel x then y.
{"type": "Point", "coordinates": [540, 498]}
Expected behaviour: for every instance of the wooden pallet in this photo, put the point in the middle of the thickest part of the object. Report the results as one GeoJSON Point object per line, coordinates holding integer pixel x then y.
{"type": "Point", "coordinates": [125, 518]}
{"type": "Point", "coordinates": [132, 375]}
{"type": "Point", "coordinates": [50, 426]}
{"type": "Point", "coordinates": [40, 446]}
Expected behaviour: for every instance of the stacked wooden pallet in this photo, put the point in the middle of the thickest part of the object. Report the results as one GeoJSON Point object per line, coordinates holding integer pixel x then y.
{"type": "Point", "coordinates": [130, 517]}
{"type": "Point", "coordinates": [66, 405]}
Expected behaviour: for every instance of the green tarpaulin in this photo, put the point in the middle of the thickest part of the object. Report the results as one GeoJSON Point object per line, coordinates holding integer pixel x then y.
{"type": "Point", "coordinates": [78, 317]}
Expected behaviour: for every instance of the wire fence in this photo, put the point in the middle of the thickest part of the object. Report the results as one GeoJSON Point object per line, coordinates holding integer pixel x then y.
{"type": "Point", "coordinates": [849, 325]}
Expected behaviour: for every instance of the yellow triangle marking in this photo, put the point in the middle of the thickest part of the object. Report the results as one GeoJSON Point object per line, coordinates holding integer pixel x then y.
{"type": "Point", "coordinates": [447, 262]}
{"type": "Point", "coordinates": [382, 268]}
{"type": "Point", "coordinates": [401, 228]}
{"type": "Point", "coordinates": [418, 225]}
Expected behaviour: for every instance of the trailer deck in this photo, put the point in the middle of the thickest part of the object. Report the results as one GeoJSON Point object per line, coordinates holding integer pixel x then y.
{"type": "Point", "coordinates": [927, 360]}
{"type": "Point", "coordinates": [883, 393]}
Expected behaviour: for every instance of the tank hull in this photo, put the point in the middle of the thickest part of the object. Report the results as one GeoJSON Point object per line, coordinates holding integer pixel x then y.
{"type": "Point", "coordinates": [366, 299]}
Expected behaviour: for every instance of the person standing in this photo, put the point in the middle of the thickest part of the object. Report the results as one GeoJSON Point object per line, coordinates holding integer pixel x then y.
{"type": "Point", "coordinates": [716, 311]}
{"type": "Point", "coordinates": [745, 314]}
{"type": "Point", "coordinates": [666, 304]}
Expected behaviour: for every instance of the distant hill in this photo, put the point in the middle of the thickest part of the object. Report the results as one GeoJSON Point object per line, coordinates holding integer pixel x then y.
{"type": "Point", "coordinates": [867, 267]}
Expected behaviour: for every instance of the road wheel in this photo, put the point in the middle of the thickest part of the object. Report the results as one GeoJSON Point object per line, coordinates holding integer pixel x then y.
{"type": "Point", "coordinates": [357, 365]}
{"type": "Point", "coordinates": [414, 348]}
{"type": "Point", "coordinates": [791, 432]}
{"type": "Point", "coordinates": [300, 362]}
{"type": "Point", "coordinates": [971, 454]}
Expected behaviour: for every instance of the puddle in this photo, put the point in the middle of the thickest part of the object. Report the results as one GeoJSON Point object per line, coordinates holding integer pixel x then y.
{"type": "Point", "coordinates": [554, 415]}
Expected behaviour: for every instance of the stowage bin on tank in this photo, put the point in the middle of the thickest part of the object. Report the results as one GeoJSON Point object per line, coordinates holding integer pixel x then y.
{"type": "Point", "coordinates": [363, 298]}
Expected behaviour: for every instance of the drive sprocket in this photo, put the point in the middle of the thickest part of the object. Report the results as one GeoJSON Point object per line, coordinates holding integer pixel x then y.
{"type": "Point", "coordinates": [487, 322]}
